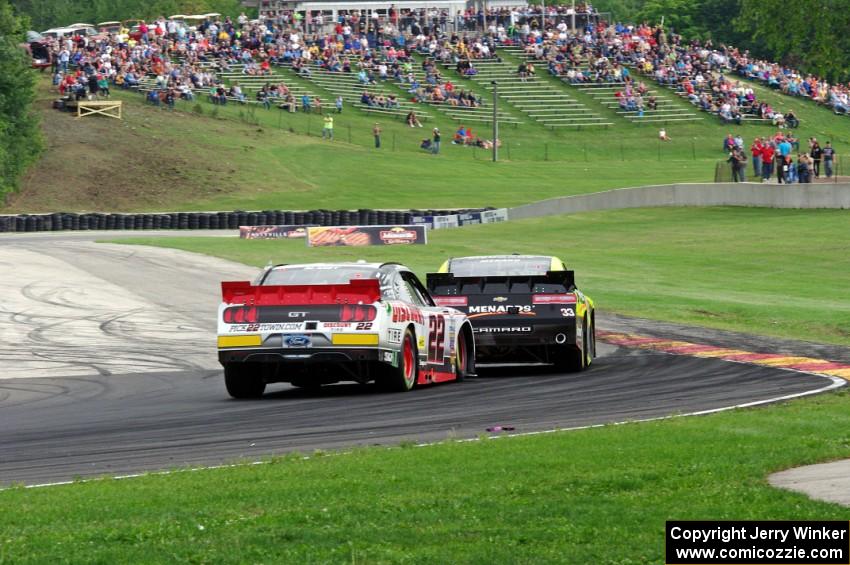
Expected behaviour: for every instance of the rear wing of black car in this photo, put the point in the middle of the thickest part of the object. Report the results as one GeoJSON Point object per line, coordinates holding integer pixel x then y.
{"type": "Point", "coordinates": [446, 284]}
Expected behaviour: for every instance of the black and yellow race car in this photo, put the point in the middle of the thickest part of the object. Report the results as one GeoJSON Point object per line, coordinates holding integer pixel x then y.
{"type": "Point", "coordinates": [523, 308]}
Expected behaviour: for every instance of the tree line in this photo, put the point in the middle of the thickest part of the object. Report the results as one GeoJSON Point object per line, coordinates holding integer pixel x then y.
{"type": "Point", "coordinates": [20, 137]}
{"type": "Point", "coordinates": [809, 35]}
{"type": "Point", "coordinates": [45, 14]}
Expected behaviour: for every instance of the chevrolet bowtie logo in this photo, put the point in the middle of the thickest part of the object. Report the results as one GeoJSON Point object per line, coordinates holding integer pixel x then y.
{"type": "Point", "coordinates": [500, 299]}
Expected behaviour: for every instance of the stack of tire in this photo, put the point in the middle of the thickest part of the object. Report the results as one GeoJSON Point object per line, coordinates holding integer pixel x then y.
{"type": "Point", "coordinates": [213, 220]}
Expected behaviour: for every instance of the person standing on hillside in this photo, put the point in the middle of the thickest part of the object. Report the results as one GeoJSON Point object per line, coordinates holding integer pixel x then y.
{"type": "Point", "coordinates": [783, 150]}
{"type": "Point", "coordinates": [739, 165]}
{"type": "Point", "coordinates": [767, 153]}
{"type": "Point", "coordinates": [816, 153]}
{"type": "Point", "coordinates": [376, 132]}
{"type": "Point", "coordinates": [435, 143]}
{"type": "Point", "coordinates": [739, 142]}
{"type": "Point", "coordinates": [828, 156]}
{"type": "Point", "coordinates": [756, 150]}
{"type": "Point", "coordinates": [328, 128]}
{"type": "Point", "coordinates": [804, 168]}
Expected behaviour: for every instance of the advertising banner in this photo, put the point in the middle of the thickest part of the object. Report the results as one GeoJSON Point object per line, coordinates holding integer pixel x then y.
{"type": "Point", "coordinates": [272, 232]}
{"type": "Point", "coordinates": [437, 222]}
{"type": "Point", "coordinates": [356, 236]}
{"type": "Point", "coordinates": [423, 220]}
{"type": "Point", "coordinates": [442, 222]}
{"type": "Point", "coordinates": [469, 218]}
{"type": "Point", "coordinates": [493, 216]}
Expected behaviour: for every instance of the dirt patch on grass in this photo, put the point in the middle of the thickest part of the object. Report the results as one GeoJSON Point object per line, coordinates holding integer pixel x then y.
{"type": "Point", "coordinates": [152, 159]}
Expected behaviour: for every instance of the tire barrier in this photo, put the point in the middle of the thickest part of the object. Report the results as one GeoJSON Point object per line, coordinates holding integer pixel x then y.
{"type": "Point", "coordinates": [62, 221]}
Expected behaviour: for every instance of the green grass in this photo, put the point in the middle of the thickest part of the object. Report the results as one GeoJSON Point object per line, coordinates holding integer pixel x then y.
{"type": "Point", "coordinates": [204, 157]}
{"type": "Point", "coordinates": [591, 496]}
{"type": "Point", "coordinates": [771, 272]}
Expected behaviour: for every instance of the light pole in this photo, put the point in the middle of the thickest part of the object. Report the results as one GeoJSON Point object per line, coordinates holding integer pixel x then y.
{"type": "Point", "coordinates": [495, 120]}
{"type": "Point", "coordinates": [543, 14]}
{"type": "Point", "coordinates": [573, 20]}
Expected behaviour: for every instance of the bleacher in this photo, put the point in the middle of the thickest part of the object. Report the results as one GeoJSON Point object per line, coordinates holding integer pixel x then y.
{"type": "Point", "coordinates": [536, 98]}
{"type": "Point", "coordinates": [350, 88]}
{"type": "Point", "coordinates": [481, 113]}
{"type": "Point", "coordinates": [667, 109]}
{"type": "Point", "coordinates": [250, 84]}
{"type": "Point", "coordinates": [745, 117]}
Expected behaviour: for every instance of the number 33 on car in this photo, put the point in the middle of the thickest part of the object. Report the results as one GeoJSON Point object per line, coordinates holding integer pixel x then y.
{"type": "Point", "coordinates": [316, 324]}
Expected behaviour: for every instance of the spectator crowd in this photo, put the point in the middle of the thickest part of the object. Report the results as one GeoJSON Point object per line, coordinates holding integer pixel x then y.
{"type": "Point", "coordinates": [184, 61]}
{"type": "Point", "coordinates": [775, 155]}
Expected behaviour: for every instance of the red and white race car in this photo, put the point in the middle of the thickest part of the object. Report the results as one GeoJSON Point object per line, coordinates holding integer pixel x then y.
{"type": "Point", "coordinates": [322, 323]}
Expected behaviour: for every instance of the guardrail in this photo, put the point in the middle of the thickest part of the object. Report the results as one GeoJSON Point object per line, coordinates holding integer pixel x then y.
{"type": "Point", "coordinates": [832, 195]}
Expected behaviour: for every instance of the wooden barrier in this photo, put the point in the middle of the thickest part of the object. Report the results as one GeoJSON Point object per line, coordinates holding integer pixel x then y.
{"type": "Point", "coordinates": [110, 108]}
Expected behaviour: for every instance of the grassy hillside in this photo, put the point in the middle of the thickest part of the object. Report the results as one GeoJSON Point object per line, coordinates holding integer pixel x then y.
{"type": "Point", "coordinates": [206, 157]}
{"type": "Point", "coordinates": [770, 272]}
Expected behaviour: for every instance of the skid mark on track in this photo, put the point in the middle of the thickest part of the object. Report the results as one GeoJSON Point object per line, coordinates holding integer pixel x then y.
{"type": "Point", "coordinates": [58, 320]}
{"type": "Point", "coordinates": [776, 360]}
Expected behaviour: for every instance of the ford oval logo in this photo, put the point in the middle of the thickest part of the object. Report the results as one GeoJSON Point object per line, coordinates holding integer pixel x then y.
{"type": "Point", "coordinates": [296, 341]}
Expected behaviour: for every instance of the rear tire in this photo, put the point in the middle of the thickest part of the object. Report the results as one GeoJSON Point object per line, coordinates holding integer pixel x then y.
{"type": "Point", "coordinates": [591, 352]}
{"type": "Point", "coordinates": [462, 357]}
{"type": "Point", "coordinates": [403, 377]}
{"type": "Point", "coordinates": [244, 380]}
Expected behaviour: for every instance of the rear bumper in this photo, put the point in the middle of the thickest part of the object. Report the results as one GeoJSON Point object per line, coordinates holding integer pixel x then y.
{"type": "Point", "coordinates": [524, 333]}
{"type": "Point", "coordinates": [315, 355]}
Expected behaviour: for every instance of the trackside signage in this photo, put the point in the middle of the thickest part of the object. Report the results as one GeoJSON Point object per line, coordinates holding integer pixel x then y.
{"type": "Point", "coordinates": [758, 543]}
{"type": "Point", "coordinates": [357, 236]}
{"type": "Point", "coordinates": [272, 232]}
{"type": "Point", "coordinates": [459, 220]}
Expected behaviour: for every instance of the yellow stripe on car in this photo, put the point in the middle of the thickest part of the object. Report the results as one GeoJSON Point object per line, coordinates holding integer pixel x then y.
{"type": "Point", "coordinates": [355, 339]}
{"type": "Point", "coordinates": [239, 340]}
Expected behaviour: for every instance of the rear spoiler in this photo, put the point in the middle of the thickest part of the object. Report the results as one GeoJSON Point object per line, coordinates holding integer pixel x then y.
{"type": "Point", "coordinates": [566, 278]}
{"type": "Point", "coordinates": [357, 291]}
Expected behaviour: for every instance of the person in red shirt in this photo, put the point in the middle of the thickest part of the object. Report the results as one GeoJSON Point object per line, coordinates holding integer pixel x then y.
{"type": "Point", "coordinates": [756, 150]}
{"type": "Point", "coordinates": [767, 153]}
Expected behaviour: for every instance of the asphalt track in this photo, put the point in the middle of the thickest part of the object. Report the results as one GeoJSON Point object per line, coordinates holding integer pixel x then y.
{"type": "Point", "coordinates": [107, 366]}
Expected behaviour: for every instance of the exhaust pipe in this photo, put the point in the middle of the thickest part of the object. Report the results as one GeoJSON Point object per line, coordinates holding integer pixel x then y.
{"type": "Point", "coordinates": [560, 339]}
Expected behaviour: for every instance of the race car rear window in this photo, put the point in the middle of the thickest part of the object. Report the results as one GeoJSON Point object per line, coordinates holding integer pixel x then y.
{"type": "Point", "coordinates": [500, 266]}
{"type": "Point", "coordinates": [319, 274]}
